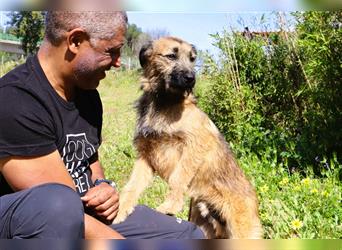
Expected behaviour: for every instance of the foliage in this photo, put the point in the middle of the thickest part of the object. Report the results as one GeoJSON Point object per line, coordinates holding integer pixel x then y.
{"type": "Point", "coordinates": [135, 39]}
{"type": "Point", "coordinates": [132, 36]}
{"type": "Point", "coordinates": [28, 26]}
{"type": "Point", "coordinates": [7, 62]}
{"type": "Point", "coordinates": [293, 206]}
{"type": "Point", "coordinates": [320, 44]}
{"type": "Point", "coordinates": [281, 91]}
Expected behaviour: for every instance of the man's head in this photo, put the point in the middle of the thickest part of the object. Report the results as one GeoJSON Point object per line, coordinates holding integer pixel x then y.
{"type": "Point", "coordinates": [92, 41]}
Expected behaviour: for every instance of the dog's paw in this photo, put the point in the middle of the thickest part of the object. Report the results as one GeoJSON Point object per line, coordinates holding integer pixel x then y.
{"type": "Point", "coordinates": [163, 210]}
{"type": "Point", "coordinates": [122, 215]}
{"type": "Point", "coordinates": [169, 208]}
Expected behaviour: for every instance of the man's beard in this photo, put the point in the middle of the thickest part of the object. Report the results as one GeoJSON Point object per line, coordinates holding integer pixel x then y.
{"type": "Point", "coordinates": [86, 75]}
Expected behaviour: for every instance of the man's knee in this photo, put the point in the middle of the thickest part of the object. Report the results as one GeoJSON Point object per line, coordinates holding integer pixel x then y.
{"type": "Point", "coordinates": [56, 212]}
{"type": "Point", "coordinates": [197, 233]}
{"type": "Point", "coordinates": [192, 232]}
{"type": "Point", "coordinates": [59, 199]}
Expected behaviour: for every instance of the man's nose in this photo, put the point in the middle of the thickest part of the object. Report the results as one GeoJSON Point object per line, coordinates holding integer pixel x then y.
{"type": "Point", "coordinates": [116, 61]}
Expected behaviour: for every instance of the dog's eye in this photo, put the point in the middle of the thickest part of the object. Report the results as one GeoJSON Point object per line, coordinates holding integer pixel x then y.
{"type": "Point", "coordinates": [192, 58]}
{"type": "Point", "coordinates": [171, 56]}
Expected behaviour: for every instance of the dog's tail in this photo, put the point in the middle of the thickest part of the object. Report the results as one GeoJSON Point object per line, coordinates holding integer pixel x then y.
{"type": "Point", "coordinates": [236, 220]}
{"type": "Point", "coordinates": [215, 220]}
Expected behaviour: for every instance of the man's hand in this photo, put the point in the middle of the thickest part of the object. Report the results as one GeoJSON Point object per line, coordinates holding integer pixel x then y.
{"type": "Point", "coordinates": [103, 200]}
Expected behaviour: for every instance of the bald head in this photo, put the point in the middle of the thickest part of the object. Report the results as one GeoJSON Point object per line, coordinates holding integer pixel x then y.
{"type": "Point", "coordinates": [97, 24]}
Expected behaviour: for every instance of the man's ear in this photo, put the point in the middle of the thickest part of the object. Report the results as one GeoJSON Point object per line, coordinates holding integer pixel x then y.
{"type": "Point", "coordinates": [145, 53]}
{"type": "Point", "coordinates": [75, 38]}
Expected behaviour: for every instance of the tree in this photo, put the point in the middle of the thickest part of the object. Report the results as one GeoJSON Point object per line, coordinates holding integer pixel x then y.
{"type": "Point", "coordinates": [132, 36]}
{"type": "Point", "coordinates": [143, 39]}
{"type": "Point", "coordinates": [29, 27]}
{"type": "Point", "coordinates": [133, 32]}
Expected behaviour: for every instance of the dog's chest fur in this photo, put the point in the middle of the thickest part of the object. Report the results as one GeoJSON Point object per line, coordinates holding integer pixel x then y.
{"type": "Point", "coordinates": [162, 131]}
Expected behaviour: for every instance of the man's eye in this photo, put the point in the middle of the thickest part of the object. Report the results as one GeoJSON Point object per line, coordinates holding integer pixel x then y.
{"type": "Point", "coordinates": [112, 52]}
{"type": "Point", "coordinates": [171, 56]}
{"type": "Point", "coordinates": [108, 52]}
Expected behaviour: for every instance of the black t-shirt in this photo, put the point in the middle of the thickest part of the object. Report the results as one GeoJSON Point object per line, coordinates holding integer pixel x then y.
{"type": "Point", "coordinates": [35, 121]}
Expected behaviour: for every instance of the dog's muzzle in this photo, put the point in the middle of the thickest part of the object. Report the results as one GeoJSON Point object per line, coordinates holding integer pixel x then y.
{"type": "Point", "coordinates": [183, 80]}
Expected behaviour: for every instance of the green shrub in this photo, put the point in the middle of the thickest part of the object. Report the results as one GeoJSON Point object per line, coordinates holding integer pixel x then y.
{"type": "Point", "coordinates": [280, 90]}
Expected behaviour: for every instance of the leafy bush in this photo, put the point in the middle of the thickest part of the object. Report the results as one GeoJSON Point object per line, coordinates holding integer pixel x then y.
{"type": "Point", "coordinates": [320, 43]}
{"type": "Point", "coordinates": [280, 90]}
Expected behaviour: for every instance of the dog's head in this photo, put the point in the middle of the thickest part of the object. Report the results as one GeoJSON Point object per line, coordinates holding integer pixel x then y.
{"type": "Point", "coordinates": [169, 64]}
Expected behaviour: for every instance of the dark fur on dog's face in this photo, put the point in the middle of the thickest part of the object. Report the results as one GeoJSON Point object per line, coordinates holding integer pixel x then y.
{"type": "Point", "coordinates": [168, 63]}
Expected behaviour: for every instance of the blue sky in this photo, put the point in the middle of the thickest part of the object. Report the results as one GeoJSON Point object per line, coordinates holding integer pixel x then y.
{"type": "Point", "coordinates": [196, 27]}
{"type": "Point", "coordinates": [171, 5]}
{"type": "Point", "coordinates": [194, 20]}
{"type": "Point", "coordinates": [210, 5]}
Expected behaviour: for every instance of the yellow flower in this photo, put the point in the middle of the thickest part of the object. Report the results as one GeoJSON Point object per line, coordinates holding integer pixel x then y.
{"type": "Point", "coordinates": [263, 216]}
{"type": "Point", "coordinates": [296, 224]}
{"type": "Point", "coordinates": [264, 189]}
{"type": "Point", "coordinates": [314, 191]}
{"type": "Point", "coordinates": [325, 194]}
{"type": "Point", "coordinates": [296, 188]}
{"type": "Point", "coordinates": [306, 181]}
{"type": "Point", "coordinates": [284, 181]}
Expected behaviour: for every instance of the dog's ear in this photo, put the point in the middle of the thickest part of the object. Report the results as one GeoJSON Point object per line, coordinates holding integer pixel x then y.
{"type": "Point", "coordinates": [145, 53]}
{"type": "Point", "coordinates": [194, 50]}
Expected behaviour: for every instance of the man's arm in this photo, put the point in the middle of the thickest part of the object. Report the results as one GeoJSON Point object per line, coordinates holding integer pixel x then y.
{"type": "Point", "coordinates": [26, 172]}
{"type": "Point", "coordinates": [96, 171]}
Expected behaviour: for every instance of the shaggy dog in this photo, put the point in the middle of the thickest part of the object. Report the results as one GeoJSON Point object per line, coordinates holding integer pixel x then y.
{"type": "Point", "coordinates": [177, 141]}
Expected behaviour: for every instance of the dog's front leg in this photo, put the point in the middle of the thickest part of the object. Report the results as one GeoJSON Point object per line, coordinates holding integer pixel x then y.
{"type": "Point", "coordinates": [179, 182]}
{"type": "Point", "coordinates": [140, 178]}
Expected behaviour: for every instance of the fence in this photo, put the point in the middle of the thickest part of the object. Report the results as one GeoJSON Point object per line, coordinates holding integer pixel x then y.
{"type": "Point", "coordinates": [129, 63]}
{"type": "Point", "coordinates": [9, 37]}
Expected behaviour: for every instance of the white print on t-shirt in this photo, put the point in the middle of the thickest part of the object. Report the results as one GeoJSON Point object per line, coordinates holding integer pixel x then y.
{"type": "Point", "coordinates": [82, 183]}
{"type": "Point", "coordinates": [77, 148]}
{"type": "Point", "coordinates": [76, 152]}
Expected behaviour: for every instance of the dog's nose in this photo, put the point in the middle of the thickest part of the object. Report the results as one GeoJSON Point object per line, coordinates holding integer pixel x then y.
{"type": "Point", "coordinates": [189, 78]}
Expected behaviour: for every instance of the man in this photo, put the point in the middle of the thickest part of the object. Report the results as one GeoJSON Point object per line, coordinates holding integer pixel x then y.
{"type": "Point", "coordinates": [50, 130]}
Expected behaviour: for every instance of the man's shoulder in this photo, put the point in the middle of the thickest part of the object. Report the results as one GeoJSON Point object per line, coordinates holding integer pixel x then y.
{"type": "Point", "coordinates": [13, 92]}
{"type": "Point", "coordinates": [19, 91]}
{"type": "Point", "coordinates": [16, 101]}
{"type": "Point", "coordinates": [21, 82]}
{"type": "Point", "coordinates": [17, 76]}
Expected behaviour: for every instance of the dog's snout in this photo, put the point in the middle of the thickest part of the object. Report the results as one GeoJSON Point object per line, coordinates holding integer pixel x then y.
{"type": "Point", "coordinates": [189, 77]}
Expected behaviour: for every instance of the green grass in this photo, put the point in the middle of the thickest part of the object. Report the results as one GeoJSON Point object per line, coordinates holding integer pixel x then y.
{"type": "Point", "coordinates": [292, 204]}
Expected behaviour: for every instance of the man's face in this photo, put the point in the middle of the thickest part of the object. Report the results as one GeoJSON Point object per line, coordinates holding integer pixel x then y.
{"type": "Point", "coordinates": [94, 59]}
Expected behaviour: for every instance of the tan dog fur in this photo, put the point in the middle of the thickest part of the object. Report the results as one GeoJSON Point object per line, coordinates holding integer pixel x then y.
{"type": "Point", "coordinates": [177, 141]}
